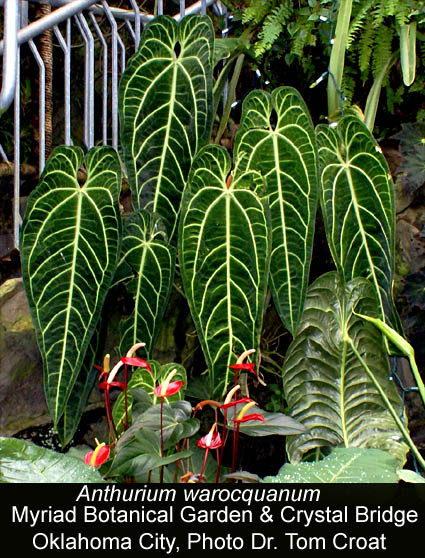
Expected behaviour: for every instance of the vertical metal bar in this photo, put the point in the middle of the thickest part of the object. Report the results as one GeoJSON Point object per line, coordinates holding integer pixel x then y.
{"type": "Point", "coordinates": [17, 219]}
{"type": "Point", "coordinates": [130, 30]}
{"type": "Point", "coordinates": [66, 85]}
{"type": "Point", "coordinates": [114, 72]}
{"type": "Point", "coordinates": [89, 81]}
{"type": "Point", "coordinates": [182, 8]}
{"type": "Point", "coordinates": [203, 7]}
{"type": "Point", "coordinates": [122, 47]}
{"type": "Point", "coordinates": [11, 27]}
{"type": "Point", "coordinates": [41, 106]}
{"type": "Point", "coordinates": [68, 115]}
{"type": "Point", "coordinates": [160, 7]}
{"type": "Point", "coordinates": [136, 11]}
{"type": "Point", "coordinates": [104, 79]}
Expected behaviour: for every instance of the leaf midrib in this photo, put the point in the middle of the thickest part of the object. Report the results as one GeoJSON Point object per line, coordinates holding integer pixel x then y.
{"type": "Point", "coordinates": [69, 303]}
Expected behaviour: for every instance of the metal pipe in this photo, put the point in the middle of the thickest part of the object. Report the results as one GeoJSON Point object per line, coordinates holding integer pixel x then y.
{"type": "Point", "coordinates": [61, 14]}
{"type": "Point", "coordinates": [104, 79]}
{"type": "Point", "coordinates": [11, 27]}
{"type": "Point", "coordinates": [136, 11]}
{"type": "Point", "coordinates": [197, 7]}
{"type": "Point", "coordinates": [114, 72]}
{"type": "Point", "coordinates": [17, 219]}
{"type": "Point", "coordinates": [88, 40]}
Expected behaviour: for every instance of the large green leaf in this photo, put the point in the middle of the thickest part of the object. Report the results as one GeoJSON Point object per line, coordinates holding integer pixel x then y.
{"type": "Point", "coordinates": [343, 465]}
{"type": "Point", "coordinates": [165, 102]}
{"type": "Point", "coordinates": [407, 32]}
{"type": "Point", "coordinates": [69, 250]}
{"type": "Point", "coordinates": [22, 461]}
{"type": "Point", "coordinates": [147, 267]}
{"type": "Point", "coordinates": [358, 206]}
{"type": "Point", "coordinates": [275, 423]}
{"type": "Point", "coordinates": [286, 156]}
{"type": "Point", "coordinates": [224, 259]}
{"type": "Point", "coordinates": [326, 387]}
{"type": "Point", "coordinates": [68, 423]}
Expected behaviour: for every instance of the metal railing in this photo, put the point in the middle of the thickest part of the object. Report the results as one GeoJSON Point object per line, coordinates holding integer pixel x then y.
{"type": "Point", "coordinates": [107, 36]}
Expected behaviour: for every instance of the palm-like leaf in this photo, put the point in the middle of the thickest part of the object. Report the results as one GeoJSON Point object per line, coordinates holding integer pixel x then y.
{"type": "Point", "coordinates": [165, 109]}
{"type": "Point", "coordinates": [286, 156]}
{"type": "Point", "coordinates": [358, 206]}
{"type": "Point", "coordinates": [69, 250]}
{"type": "Point", "coordinates": [224, 258]}
{"type": "Point", "coordinates": [326, 387]}
{"type": "Point", "coordinates": [147, 267]}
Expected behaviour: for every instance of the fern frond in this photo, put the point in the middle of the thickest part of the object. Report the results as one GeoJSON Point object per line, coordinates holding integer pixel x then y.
{"type": "Point", "coordinates": [389, 7]}
{"type": "Point", "coordinates": [358, 23]}
{"type": "Point", "coordinates": [257, 11]}
{"type": "Point", "coordinates": [365, 49]}
{"type": "Point", "coordinates": [302, 38]}
{"type": "Point", "coordinates": [272, 27]}
{"type": "Point", "coordinates": [382, 49]}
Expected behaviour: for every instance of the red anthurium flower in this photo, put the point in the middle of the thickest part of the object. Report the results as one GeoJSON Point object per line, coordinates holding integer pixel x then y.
{"type": "Point", "coordinates": [136, 361]}
{"type": "Point", "coordinates": [235, 402]}
{"type": "Point", "coordinates": [243, 417]}
{"type": "Point", "coordinates": [252, 416]}
{"type": "Point", "coordinates": [212, 440]}
{"type": "Point", "coordinates": [244, 366]}
{"type": "Point", "coordinates": [98, 456]}
{"type": "Point", "coordinates": [168, 388]}
{"type": "Point", "coordinates": [106, 385]}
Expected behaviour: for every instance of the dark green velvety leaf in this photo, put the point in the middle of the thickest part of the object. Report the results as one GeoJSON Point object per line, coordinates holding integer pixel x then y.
{"type": "Point", "coordinates": [147, 268]}
{"type": "Point", "coordinates": [68, 423]}
{"type": "Point", "coordinates": [69, 249]}
{"type": "Point", "coordinates": [224, 261]}
{"type": "Point", "coordinates": [358, 206]}
{"type": "Point", "coordinates": [165, 103]}
{"type": "Point", "coordinates": [22, 461]}
{"type": "Point", "coordinates": [176, 422]}
{"type": "Point", "coordinates": [286, 155]}
{"type": "Point", "coordinates": [326, 386]}
{"type": "Point", "coordinates": [343, 465]}
{"type": "Point", "coordinates": [142, 453]}
{"type": "Point", "coordinates": [276, 423]}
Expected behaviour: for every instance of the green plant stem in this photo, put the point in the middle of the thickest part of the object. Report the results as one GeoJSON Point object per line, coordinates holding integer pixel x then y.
{"type": "Point", "coordinates": [389, 406]}
{"type": "Point", "coordinates": [336, 62]}
{"type": "Point", "coordinates": [417, 377]}
{"type": "Point", "coordinates": [375, 92]}
{"type": "Point", "coordinates": [230, 98]}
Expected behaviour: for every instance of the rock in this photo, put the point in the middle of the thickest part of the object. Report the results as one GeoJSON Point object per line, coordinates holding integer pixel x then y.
{"type": "Point", "coordinates": [22, 401]}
